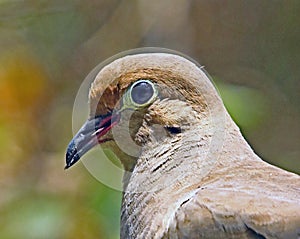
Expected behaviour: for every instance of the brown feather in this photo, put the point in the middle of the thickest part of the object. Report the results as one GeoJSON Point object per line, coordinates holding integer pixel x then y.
{"type": "Point", "coordinates": [202, 182]}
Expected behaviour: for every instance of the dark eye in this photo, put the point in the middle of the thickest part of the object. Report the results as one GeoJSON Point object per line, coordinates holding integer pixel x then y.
{"type": "Point", "coordinates": [142, 91]}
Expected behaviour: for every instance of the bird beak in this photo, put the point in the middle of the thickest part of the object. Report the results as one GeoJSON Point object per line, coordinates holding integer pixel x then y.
{"type": "Point", "coordinates": [90, 134]}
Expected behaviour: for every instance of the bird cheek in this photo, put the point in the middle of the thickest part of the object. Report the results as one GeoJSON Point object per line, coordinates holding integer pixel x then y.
{"type": "Point", "coordinates": [156, 133]}
{"type": "Point", "coordinates": [143, 135]}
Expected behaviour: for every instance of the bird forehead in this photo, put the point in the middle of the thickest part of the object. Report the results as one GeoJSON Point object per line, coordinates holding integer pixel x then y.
{"type": "Point", "coordinates": [105, 96]}
{"type": "Point", "coordinates": [171, 72]}
{"type": "Point", "coordinates": [129, 68]}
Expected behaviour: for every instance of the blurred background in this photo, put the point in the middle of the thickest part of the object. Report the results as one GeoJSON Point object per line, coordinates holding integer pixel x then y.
{"type": "Point", "coordinates": [251, 49]}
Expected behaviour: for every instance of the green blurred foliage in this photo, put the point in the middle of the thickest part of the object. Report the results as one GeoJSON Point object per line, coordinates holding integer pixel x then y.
{"type": "Point", "coordinates": [47, 48]}
{"type": "Point", "coordinates": [34, 217]}
{"type": "Point", "coordinates": [247, 107]}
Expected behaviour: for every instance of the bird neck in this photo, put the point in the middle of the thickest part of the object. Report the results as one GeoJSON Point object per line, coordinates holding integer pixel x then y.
{"type": "Point", "coordinates": [169, 171]}
{"type": "Point", "coordinates": [167, 174]}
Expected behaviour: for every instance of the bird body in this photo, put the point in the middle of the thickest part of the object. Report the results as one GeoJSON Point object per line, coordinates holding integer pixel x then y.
{"type": "Point", "coordinates": [191, 174]}
{"type": "Point", "coordinates": [241, 197]}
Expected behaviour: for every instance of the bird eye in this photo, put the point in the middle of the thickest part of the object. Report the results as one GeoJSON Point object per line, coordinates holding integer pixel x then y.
{"type": "Point", "coordinates": [142, 92]}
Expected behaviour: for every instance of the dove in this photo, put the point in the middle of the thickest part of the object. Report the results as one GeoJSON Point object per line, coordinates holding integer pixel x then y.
{"type": "Point", "coordinates": [188, 171]}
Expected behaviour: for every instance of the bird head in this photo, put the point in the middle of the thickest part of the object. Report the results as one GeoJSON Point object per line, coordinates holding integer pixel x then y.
{"type": "Point", "coordinates": [144, 101]}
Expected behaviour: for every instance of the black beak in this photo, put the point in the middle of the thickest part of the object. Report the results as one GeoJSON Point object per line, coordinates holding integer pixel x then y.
{"type": "Point", "coordinates": [89, 136]}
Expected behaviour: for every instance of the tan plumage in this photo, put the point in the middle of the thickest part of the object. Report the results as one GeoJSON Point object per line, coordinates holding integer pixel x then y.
{"type": "Point", "coordinates": [193, 174]}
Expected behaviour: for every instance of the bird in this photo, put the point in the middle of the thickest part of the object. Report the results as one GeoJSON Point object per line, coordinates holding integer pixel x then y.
{"type": "Point", "coordinates": [191, 173]}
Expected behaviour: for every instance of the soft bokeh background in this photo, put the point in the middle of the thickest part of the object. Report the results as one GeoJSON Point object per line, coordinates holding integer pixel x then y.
{"type": "Point", "coordinates": [250, 48]}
